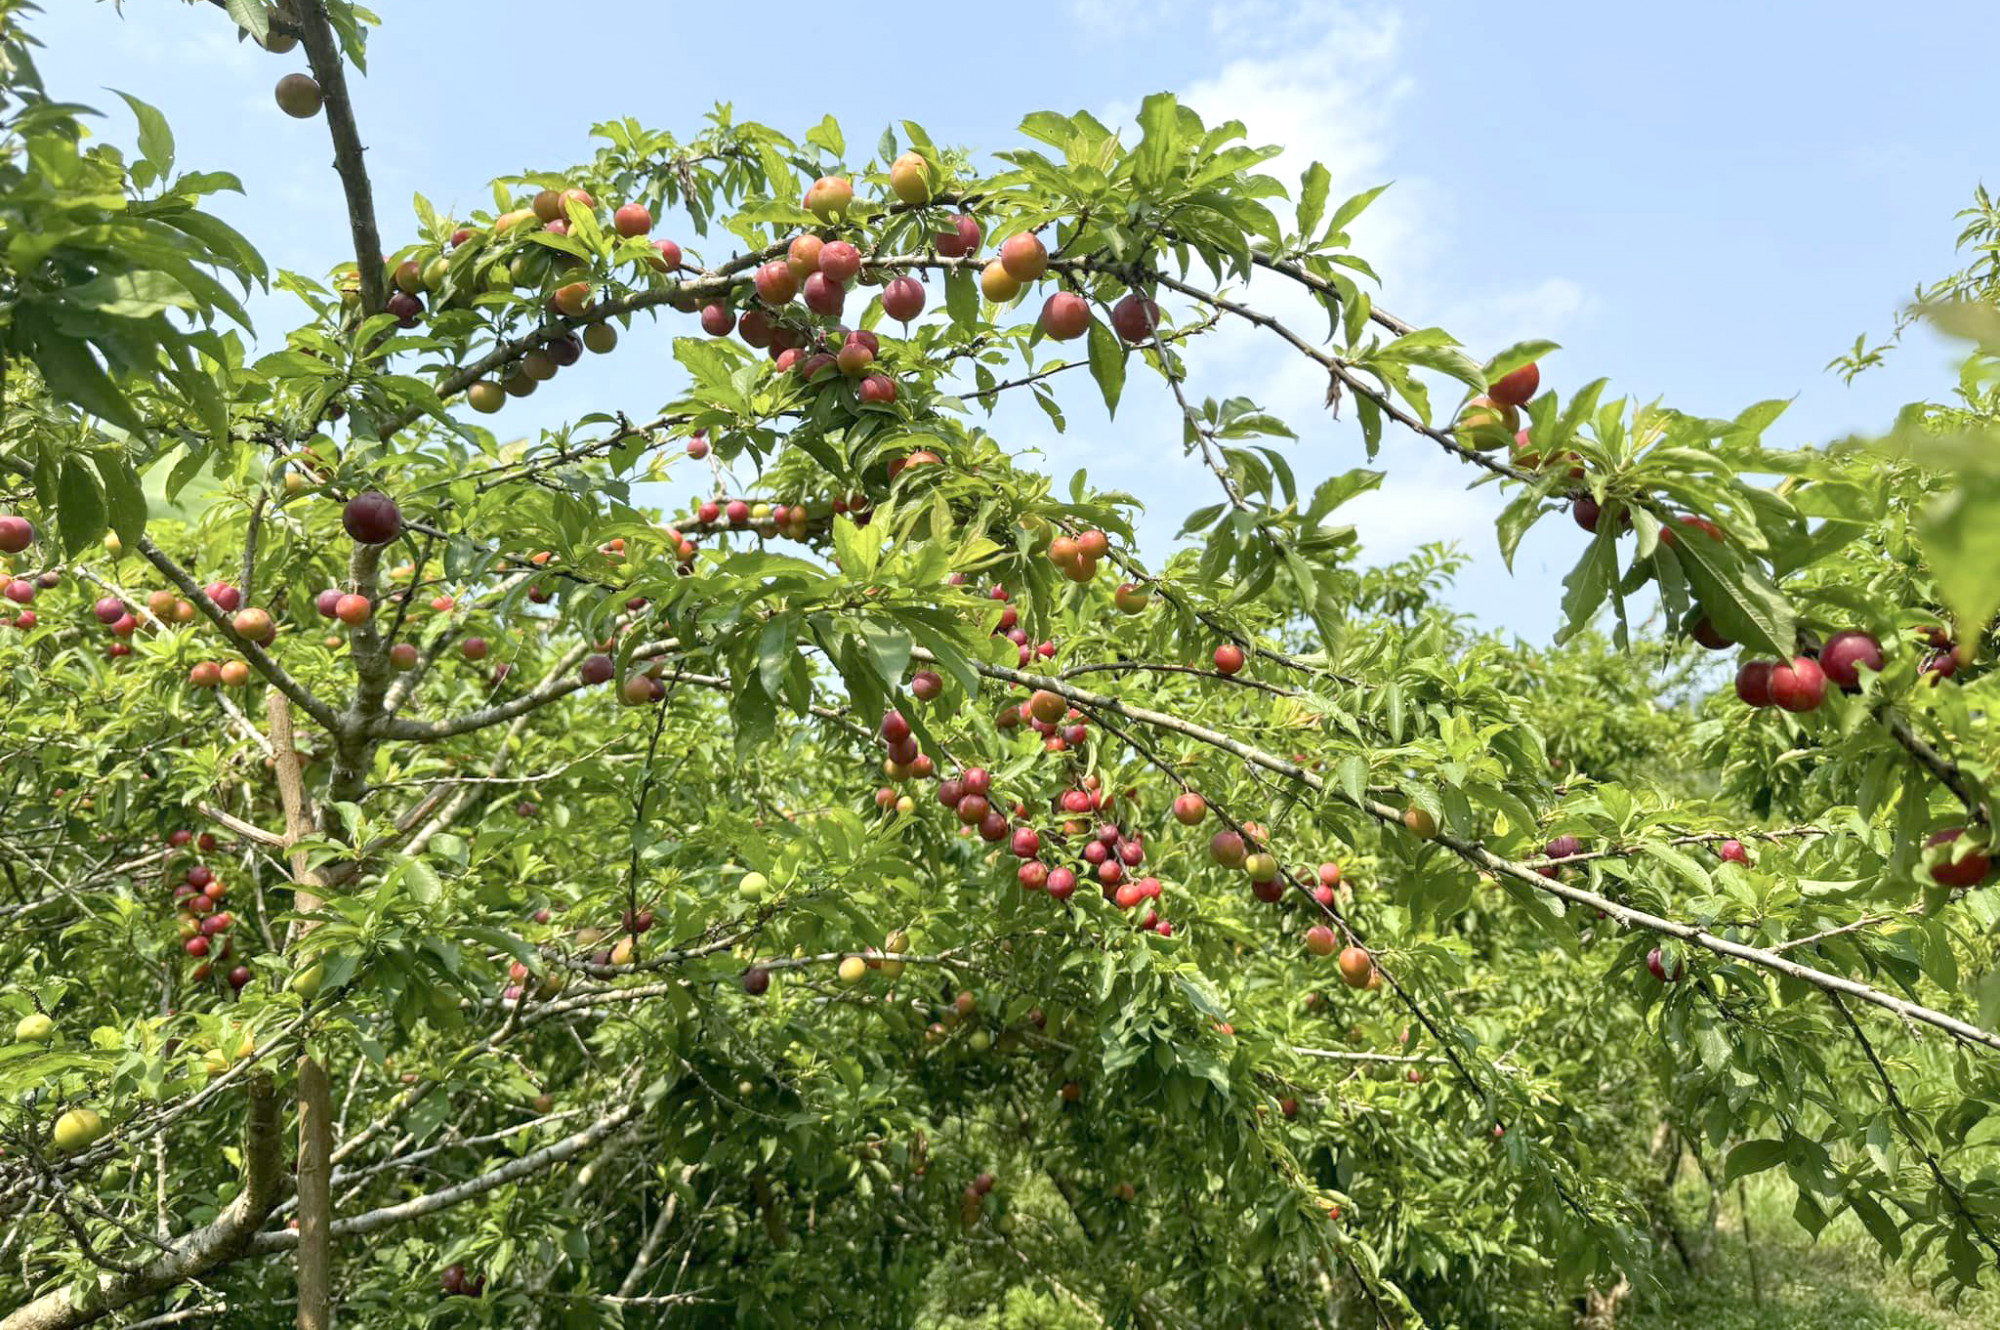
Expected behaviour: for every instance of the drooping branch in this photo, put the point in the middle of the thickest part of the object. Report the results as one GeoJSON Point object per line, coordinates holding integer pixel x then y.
{"type": "Point", "coordinates": [1477, 854]}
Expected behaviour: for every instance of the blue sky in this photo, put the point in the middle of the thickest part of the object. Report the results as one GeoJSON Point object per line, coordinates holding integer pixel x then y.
{"type": "Point", "coordinates": [1704, 201]}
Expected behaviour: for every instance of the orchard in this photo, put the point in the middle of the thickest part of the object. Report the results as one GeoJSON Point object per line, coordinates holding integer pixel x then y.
{"type": "Point", "coordinates": [787, 861]}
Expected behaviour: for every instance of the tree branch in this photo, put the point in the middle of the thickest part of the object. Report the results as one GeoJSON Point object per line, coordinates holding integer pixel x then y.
{"type": "Point", "coordinates": [217, 1243]}
{"type": "Point", "coordinates": [330, 71]}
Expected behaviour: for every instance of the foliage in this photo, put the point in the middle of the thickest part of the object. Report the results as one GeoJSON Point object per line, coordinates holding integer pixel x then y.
{"type": "Point", "coordinates": [641, 996]}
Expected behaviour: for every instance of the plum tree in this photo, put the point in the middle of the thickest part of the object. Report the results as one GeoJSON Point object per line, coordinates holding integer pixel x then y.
{"type": "Point", "coordinates": [876, 816]}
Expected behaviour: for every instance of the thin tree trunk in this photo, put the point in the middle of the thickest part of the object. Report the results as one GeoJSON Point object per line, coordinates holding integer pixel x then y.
{"type": "Point", "coordinates": [1749, 1247]}
{"type": "Point", "coordinates": [314, 1258]}
{"type": "Point", "coordinates": [315, 1254]}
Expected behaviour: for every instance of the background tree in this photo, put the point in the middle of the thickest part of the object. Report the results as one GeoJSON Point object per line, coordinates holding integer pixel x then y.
{"type": "Point", "coordinates": [879, 893]}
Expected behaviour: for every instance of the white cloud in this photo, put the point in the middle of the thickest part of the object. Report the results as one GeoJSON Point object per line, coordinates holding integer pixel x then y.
{"type": "Point", "coordinates": [1325, 80]}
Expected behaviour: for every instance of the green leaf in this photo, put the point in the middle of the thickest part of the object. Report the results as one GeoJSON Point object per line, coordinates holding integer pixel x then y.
{"type": "Point", "coordinates": [127, 497]}
{"type": "Point", "coordinates": [1736, 595]}
{"type": "Point", "coordinates": [1752, 1157]}
{"type": "Point", "coordinates": [1960, 528]}
{"type": "Point", "coordinates": [1107, 364]}
{"type": "Point", "coordinates": [129, 295]}
{"type": "Point", "coordinates": [961, 297]}
{"type": "Point", "coordinates": [1588, 583]}
{"type": "Point", "coordinates": [79, 505]}
{"type": "Point", "coordinates": [156, 140]}
{"type": "Point", "coordinates": [1352, 209]}
{"type": "Point", "coordinates": [73, 373]}
{"type": "Point", "coordinates": [1313, 187]}
{"type": "Point", "coordinates": [1877, 1221]}
{"type": "Point", "coordinates": [251, 15]}
{"type": "Point", "coordinates": [1159, 145]}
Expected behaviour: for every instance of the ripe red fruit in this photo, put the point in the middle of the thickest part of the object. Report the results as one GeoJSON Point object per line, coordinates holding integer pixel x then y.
{"type": "Point", "coordinates": [1656, 965]}
{"type": "Point", "coordinates": [1320, 940]}
{"type": "Point", "coordinates": [896, 728]}
{"type": "Point", "coordinates": [1024, 257]}
{"type": "Point", "coordinates": [254, 624]}
{"type": "Point", "coordinates": [403, 656]}
{"type": "Point", "coordinates": [1032, 875]}
{"type": "Point", "coordinates": [596, 669]}
{"type": "Point", "coordinates": [1134, 318]}
{"type": "Point", "coordinates": [1708, 635]}
{"type": "Point", "coordinates": [839, 261]}
{"type": "Point", "coordinates": [1111, 872]}
{"type": "Point", "coordinates": [1753, 682]}
{"type": "Point", "coordinates": [1357, 967]}
{"type": "Point", "coordinates": [1967, 871]}
{"type": "Point", "coordinates": [1798, 686]}
{"type": "Point", "coordinates": [1065, 316]}
{"type": "Point", "coordinates": [737, 511]}
{"type": "Point", "coordinates": [226, 597]}
{"type": "Point", "coordinates": [1585, 511]}
{"type": "Point", "coordinates": [1229, 658]}
{"type": "Point", "coordinates": [829, 197]}
{"type": "Point", "coordinates": [406, 307]}
{"type": "Point", "coordinates": [372, 518]}
{"type": "Point", "coordinates": [354, 610]}
{"type": "Point", "coordinates": [1190, 809]}
{"type": "Point", "coordinates": [1940, 665]}
{"type": "Point", "coordinates": [824, 296]}
{"type": "Point", "coordinates": [1562, 847]}
{"type": "Point", "coordinates": [23, 592]}
{"type": "Point", "coordinates": [1517, 387]}
{"type": "Point", "coordinates": [903, 299]}
{"type": "Point", "coordinates": [109, 610]}
{"type": "Point", "coordinates": [854, 359]}
{"type": "Point", "coordinates": [1845, 653]}
{"type": "Point", "coordinates": [632, 220]}
{"type": "Point", "coordinates": [879, 389]}
{"type": "Point", "coordinates": [776, 282]}
{"type": "Point", "coordinates": [1027, 843]}
{"type": "Point", "coordinates": [327, 601]}
{"type": "Point", "coordinates": [1062, 883]}
{"type": "Point", "coordinates": [961, 241]}
{"type": "Point", "coordinates": [1227, 849]}
{"type": "Point", "coordinates": [993, 826]}
{"type": "Point", "coordinates": [1732, 852]}
{"type": "Point", "coordinates": [756, 981]}
{"type": "Point", "coordinates": [473, 648]}
{"type": "Point", "coordinates": [16, 534]}
{"type": "Point", "coordinates": [670, 256]}
{"type": "Point", "coordinates": [207, 674]}
{"type": "Point", "coordinates": [1329, 875]}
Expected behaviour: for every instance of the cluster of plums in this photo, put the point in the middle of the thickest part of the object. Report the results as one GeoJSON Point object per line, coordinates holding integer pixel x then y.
{"type": "Point", "coordinates": [200, 914]}
{"type": "Point", "coordinates": [1799, 684]}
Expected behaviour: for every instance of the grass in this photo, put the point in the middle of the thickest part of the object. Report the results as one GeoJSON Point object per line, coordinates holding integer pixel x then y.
{"type": "Point", "coordinates": [1837, 1283]}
